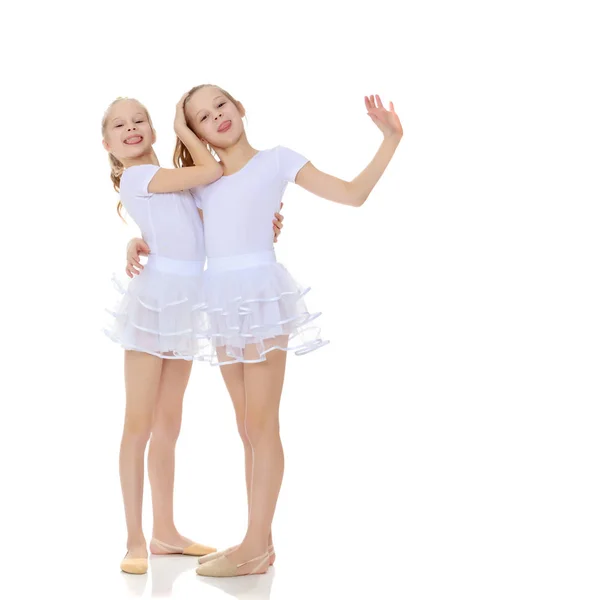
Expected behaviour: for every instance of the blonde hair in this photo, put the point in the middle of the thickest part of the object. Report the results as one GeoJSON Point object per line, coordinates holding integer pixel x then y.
{"type": "Point", "coordinates": [181, 155]}
{"type": "Point", "coordinates": [116, 166]}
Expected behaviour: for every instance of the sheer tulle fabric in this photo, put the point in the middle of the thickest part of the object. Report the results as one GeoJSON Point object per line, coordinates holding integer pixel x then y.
{"type": "Point", "coordinates": [252, 305]}
{"type": "Point", "coordinates": [158, 312]}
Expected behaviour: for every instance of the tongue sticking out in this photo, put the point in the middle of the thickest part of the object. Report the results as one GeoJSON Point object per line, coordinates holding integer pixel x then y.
{"type": "Point", "coordinates": [133, 140]}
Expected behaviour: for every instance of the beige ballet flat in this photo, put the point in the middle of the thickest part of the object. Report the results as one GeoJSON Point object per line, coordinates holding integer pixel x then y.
{"type": "Point", "coordinates": [191, 550]}
{"type": "Point", "coordinates": [134, 566]}
{"type": "Point", "coordinates": [204, 559]}
{"type": "Point", "coordinates": [207, 558]}
{"type": "Point", "coordinates": [223, 567]}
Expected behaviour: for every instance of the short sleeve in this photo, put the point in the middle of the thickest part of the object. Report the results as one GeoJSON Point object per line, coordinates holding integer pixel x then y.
{"type": "Point", "coordinates": [289, 162]}
{"type": "Point", "coordinates": [197, 195]}
{"type": "Point", "coordinates": [135, 181]}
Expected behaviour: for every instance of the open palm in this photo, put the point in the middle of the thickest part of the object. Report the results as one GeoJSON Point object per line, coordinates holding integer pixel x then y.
{"type": "Point", "coordinates": [387, 120]}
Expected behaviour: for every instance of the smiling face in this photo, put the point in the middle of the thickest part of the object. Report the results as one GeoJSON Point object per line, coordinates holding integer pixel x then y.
{"type": "Point", "coordinates": [127, 130]}
{"type": "Point", "coordinates": [214, 116]}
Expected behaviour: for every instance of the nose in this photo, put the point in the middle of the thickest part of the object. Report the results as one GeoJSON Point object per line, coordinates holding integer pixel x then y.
{"type": "Point", "coordinates": [132, 128]}
{"type": "Point", "coordinates": [218, 116]}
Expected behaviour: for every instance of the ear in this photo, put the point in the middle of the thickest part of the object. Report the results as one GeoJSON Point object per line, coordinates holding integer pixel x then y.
{"type": "Point", "coordinates": [153, 137]}
{"type": "Point", "coordinates": [106, 146]}
{"type": "Point", "coordinates": [241, 108]}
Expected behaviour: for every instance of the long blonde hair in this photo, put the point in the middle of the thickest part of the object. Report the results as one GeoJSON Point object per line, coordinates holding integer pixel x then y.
{"type": "Point", "coordinates": [181, 155]}
{"type": "Point", "coordinates": [116, 166]}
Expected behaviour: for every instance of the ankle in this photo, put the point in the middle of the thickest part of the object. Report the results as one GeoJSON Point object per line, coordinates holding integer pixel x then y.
{"type": "Point", "coordinates": [164, 531]}
{"type": "Point", "coordinates": [254, 547]}
{"type": "Point", "coordinates": [136, 542]}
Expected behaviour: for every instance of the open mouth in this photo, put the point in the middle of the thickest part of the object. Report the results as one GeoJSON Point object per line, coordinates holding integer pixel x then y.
{"type": "Point", "coordinates": [224, 126]}
{"type": "Point", "coordinates": [133, 140]}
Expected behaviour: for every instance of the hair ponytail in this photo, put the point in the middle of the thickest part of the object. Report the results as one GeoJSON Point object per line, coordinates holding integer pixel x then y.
{"type": "Point", "coordinates": [182, 156]}
{"type": "Point", "coordinates": [116, 170]}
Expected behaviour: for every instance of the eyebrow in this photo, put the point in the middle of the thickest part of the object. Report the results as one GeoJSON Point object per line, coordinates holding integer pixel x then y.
{"type": "Point", "coordinates": [134, 116]}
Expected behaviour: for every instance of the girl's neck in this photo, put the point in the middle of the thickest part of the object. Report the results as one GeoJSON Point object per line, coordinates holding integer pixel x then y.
{"type": "Point", "coordinates": [149, 158]}
{"type": "Point", "coordinates": [235, 157]}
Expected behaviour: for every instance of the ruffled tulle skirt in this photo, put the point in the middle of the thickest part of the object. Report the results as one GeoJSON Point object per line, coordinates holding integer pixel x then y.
{"type": "Point", "coordinates": [158, 312]}
{"type": "Point", "coordinates": [250, 306]}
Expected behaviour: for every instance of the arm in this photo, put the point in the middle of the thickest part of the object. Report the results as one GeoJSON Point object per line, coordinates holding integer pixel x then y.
{"type": "Point", "coordinates": [355, 192]}
{"type": "Point", "coordinates": [205, 170]}
{"type": "Point", "coordinates": [176, 180]}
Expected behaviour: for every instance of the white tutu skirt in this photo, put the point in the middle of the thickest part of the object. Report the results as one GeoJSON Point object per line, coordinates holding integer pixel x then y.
{"type": "Point", "coordinates": [158, 311]}
{"type": "Point", "coordinates": [251, 306]}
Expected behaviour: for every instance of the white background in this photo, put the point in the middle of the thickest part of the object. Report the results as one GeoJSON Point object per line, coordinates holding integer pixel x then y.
{"type": "Point", "coordinates": [445, 444]}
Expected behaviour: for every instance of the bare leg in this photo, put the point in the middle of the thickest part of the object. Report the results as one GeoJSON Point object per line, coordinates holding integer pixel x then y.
{"type": "Point", "coordinates": [161, 455]}
{"type": "Point", "coordinates": [263, 384]}
{"type": "Point", "coordinates": [233, 376]}
{"type": "Point", "coordinates": [142, 377]}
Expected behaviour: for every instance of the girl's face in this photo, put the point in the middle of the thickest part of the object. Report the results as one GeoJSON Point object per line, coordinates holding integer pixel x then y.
{"type": "Point", "coordinates": [128, 133]}
{"type": "Point", "coordinates": [213, 117]}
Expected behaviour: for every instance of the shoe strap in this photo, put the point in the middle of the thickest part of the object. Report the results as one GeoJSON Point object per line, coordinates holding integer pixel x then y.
{"type": "Point", "coordinates": [167, 547]}
{"type": "Point", "coordinates": [262, 558]}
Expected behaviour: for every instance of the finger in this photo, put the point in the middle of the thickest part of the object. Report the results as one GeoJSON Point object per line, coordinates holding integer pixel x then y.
{"type": "Point", "coordinates": [281, 206]}
{"type": "Point", "coordinates": [378, 102]}
{"type": "Point", "coordinates": [276, 226]}
{"type": "Point", "coordinates": [279, 216]}
{"type": "Point", "coordinates": [392, 107]}
{"type": "Point", "coordinates": [129, 273]}
{"type": "Point", "coordinates": [367, 103]}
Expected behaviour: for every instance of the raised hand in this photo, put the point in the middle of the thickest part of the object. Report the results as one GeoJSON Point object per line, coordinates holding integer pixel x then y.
{"type": "Point", "coordinates": [387, 120]}
{"type": "Point", "coordinates": [180, 122]}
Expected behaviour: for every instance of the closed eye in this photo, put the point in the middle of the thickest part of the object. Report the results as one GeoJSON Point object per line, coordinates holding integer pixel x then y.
{"type": "Point", "coordinates": [221, 104]}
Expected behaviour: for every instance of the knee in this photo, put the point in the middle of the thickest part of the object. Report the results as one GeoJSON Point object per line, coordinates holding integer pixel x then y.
{"type": "Point", "coordinates": [241, 425]}
{"type": "Point", "coordinates": [166, 429]}
{"type": "Point", "coordinates": [260, 426]}
{"type": "Point", "coordinates": [137, 430]}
